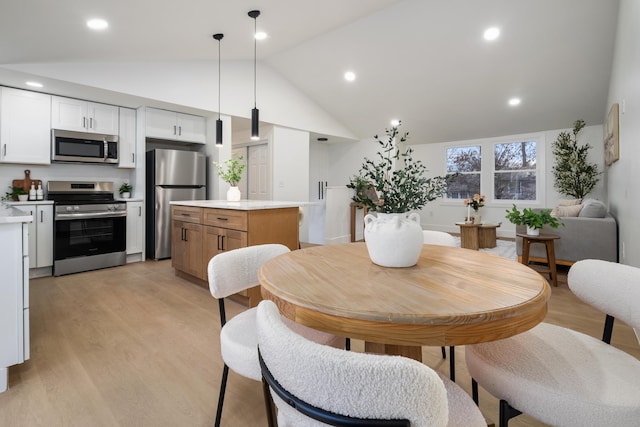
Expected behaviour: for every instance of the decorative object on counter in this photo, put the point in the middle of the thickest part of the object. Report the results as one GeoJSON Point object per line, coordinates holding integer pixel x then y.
{"type": "Point", "coordinates": [33, 195]}
{"type": "Point", "coordinates": [218, 37]}
{"type": "Point", "coordinates": [16, 193]}
{"type": "Point", "coordinates": [255, 113]}
{"type": "Point", "coordinates": [39, 192]}
{"type": "Point", "coordinates": [25, 183]}
{"type": "Point", "coordinates": [125, 190]}
{"type": "Point", "coordinates": [230, 171]}
{"type": "Point", "coordinates": [532, 219]}
{"type": "Point", "coordinates": [574, 175]}
{"type": "Point", "coordinates": [474, 203]}
{"type": "Point", "coordinates": [394, 185]}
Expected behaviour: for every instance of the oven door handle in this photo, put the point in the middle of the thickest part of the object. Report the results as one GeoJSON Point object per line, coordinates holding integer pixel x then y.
{"type": "Point", "coordinates": [70, 216]}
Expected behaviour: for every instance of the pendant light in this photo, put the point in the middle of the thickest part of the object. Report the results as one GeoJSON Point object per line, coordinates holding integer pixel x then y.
{"type": "Point", "coordinates": [218, 37]}
{"type": "Point", "coordinates": [255, 113]}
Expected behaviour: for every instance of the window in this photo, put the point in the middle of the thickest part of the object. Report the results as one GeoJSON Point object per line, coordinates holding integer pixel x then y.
{"type": "Point", "coordinates": [466, 162]}
{"type": "Point", "coordinates": [514, 172]}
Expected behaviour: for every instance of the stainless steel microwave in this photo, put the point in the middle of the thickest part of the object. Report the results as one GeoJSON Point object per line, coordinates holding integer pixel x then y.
{"type": "Point", "coordinates": [83, 147]}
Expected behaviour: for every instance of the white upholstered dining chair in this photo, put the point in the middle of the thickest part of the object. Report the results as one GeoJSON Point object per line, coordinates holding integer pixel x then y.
{"type": "Point", "coordinates": [433, 237]}
{"type": "Point", "coordinates": [563, 377]}
{"type": "Point", "coordinates": [231, 272]}
{"type": "Point", "coordinates": [315, 384]}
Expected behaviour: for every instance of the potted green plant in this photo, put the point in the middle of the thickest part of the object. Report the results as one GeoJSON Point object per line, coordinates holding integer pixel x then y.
{"type": "Point", "coordinates": [16, 193]}
{"type": "Point", "coordinates": [230, 171]}
{"type": "Point", "coordinates": [125, 190]}
{"type": "Point", "coordinates": [532, 219]}
{"type": "Point", "coordinates": [574, 175]}
{"type": "Point", "coordinates": [393, 185]}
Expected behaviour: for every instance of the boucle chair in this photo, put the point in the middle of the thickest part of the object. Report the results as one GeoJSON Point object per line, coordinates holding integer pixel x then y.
{"type": "Point", "coordinates": [231, 272]}
{"type": "Point", "coordinates": [356, 385]}
{"type": "Point", "coordinates": [563, 377]}
{"type": "Point", "coordinates": [432, 237]}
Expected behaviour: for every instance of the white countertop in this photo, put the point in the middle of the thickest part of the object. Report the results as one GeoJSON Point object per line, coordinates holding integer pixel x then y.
{"type": "Point", "coordinates": [31, 202]}
{"type": "Point", "coordinates": [242, 205]}
{"type": "Point", "coordinates": [9, 215]}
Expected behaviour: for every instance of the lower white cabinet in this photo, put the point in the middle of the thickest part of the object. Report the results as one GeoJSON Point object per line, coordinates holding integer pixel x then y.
{"type": "Point", "coordinates": [14, 298]}
{"type": "Point", "coordinates": [40, 234]}
{"type": "Point", "coordinates": [135, 228]}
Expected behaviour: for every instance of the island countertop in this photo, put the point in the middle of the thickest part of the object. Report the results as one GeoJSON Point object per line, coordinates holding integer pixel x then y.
{"type": "Point", "coordinates": [242, 205]}
{"type": "Point", "coordinates": [9, 215]}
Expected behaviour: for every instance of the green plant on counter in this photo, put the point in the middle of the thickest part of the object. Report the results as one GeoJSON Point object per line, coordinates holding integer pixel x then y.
{"type": "Point", "coordinates": [125, 188]}
{"type": "Point", "coordinates": [14, 193]}
{"type": "Point", "coordinates": [531, 218]}
{"type": "Point", "coordinates": [230, 171]}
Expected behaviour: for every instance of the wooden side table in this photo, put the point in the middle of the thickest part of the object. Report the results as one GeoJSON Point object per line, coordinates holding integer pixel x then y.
{"type": "Point", "coordinates": [547, 240]}
{"type": "Point", "coordinates": [476, 236]}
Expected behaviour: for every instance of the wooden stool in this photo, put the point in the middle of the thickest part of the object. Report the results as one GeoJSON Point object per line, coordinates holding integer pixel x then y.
{"type": "Point", "coordinates": [547, 240]}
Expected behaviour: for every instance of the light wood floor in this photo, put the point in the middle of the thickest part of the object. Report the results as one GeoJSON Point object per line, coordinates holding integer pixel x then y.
{"type": "Point", "coordinates": [136, 346]}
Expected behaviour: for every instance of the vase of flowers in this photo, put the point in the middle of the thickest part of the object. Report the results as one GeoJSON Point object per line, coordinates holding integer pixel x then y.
{"type": "Point", "coordinates": [393, 186]}
{"type": "Point", "coordinates": [474, 203]}
{"type": "Point", "coordinates": [230, 171]}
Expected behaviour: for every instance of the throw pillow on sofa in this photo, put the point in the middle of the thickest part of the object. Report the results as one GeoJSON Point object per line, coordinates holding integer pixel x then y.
{"type": "Point", "coordinates": [564, 211]}
{"type": "Point", "coordinates": [569, 202]}
{"type": "Point", "coordinates": [592, 208]}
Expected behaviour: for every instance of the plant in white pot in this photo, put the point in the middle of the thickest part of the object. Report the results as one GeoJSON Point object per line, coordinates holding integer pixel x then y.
{"type": "Point", "coordinates": [125, 190]}
{"type": "Point", "coordinates": [393, 186]}
{"type": "Point", "coordinates": [532, 219]}
{"type": "Point", "coordinates": [230, 171]}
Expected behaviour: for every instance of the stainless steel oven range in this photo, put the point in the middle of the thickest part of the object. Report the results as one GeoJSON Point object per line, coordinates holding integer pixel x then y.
{"type": "Point", "coordinates": [89, 226]}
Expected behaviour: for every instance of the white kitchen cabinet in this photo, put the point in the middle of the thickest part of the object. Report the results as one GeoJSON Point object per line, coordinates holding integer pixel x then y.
{"type": "Point", "coordinates": [127, 138]}
{"type": "Point", "coordinates": [84, 116]}
{"type": "Point", "coordinates": [14, 298]}
{"type": "Point", "coordinates": [25, 127]}
{"type": "Point", "coordinates": [164, 124]}
{"type": "Point", "coordinates": [40, 235]}
{"type": "Point", "coordinates": [135, 227]}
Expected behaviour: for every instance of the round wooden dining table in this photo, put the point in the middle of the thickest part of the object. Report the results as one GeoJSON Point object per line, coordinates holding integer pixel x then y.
{"type": "Point", "coordinates": [452, 296]}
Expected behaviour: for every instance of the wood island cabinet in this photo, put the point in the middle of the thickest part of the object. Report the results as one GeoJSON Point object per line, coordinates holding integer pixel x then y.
{"type": "Point", "coordinates": [200, 233]}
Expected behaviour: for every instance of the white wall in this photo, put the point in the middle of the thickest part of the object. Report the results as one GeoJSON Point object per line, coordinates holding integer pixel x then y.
{"type": "Point", "coordinates": [622, 176]}
{"type": "Point", "coordinates": [194, 84]}
{"type": "Point", "coordinates": [290, 164]}
{"type": "Point", "coordinates": [346, 159]}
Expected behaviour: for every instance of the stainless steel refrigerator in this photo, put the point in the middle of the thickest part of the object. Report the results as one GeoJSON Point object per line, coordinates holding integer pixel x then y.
{"type": "Point", "coordinates": [172, 175]}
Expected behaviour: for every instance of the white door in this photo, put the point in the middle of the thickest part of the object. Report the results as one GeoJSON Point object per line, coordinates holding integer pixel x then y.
{"type": "Point", "coordinates": [259, 172]}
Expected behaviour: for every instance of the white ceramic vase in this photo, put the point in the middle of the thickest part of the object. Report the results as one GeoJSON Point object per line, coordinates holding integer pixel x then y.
{"type": "Point", "coordinates": [126, 195]}
{"type": "Point", "coordinates": [533, 231]}
{"type": "Point", "coordinates": [393, 240]}
{"type": "Point", "coordinates": [233, 194]}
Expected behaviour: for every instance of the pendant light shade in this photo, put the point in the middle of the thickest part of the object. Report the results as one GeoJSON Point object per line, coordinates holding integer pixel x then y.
{"type": "Point", "coordinates": [218, 37]}
{"type": "Point", "coordinates": [255, 113]}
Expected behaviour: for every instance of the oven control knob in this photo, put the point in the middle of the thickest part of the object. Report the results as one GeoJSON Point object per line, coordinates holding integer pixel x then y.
{"type": "Point", "coordinates": [109, 207]}
{"type": "Point", "coordinates": [69, 208]}
{"type": "Point", "coordinates": [76, 208]}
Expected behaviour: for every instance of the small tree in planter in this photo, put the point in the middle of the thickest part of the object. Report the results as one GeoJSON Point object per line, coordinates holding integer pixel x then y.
{"type": "Point", "coordinates": [574, 175]}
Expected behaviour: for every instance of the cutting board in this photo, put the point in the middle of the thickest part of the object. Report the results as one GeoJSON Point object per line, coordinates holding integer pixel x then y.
{"type": "Point", "coordinates": [26, 182]}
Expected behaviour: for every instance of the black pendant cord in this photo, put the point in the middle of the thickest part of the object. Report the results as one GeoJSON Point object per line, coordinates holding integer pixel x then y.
{"type": "Point", "coordinates": [219, 78]}
{"type": "Point", "coordinates": [219, 37]}
{"type": "Point", "coordinates": [255, 52]}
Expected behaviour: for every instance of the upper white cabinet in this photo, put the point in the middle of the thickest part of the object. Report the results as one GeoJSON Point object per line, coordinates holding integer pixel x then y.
{"type": "Point", "coordinates": [25, 126]}
{"type": "Point", "coordinates": [84, 116]}
{"type": "Point", "coordinates": [127, 138]}
{"type": "Point", "coordinates": [163, 124]}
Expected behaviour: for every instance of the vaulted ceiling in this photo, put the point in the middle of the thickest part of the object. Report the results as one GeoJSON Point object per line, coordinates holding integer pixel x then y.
{"type": "Point", "coordinates": [422, 61]}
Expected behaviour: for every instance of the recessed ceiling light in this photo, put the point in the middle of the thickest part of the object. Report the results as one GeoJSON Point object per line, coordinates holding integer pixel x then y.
{"type": "Point", "coordinates": [395, 123]}
{"type": "Point", "coordinates": [260, 35]}
{"type": "Point", "coordinates": [349, 76]}
{"type": "Point", "coordinates": [97, 24]}
{"type": "Point", "coordinates": [491, 33]}
{"type": "Point", "coordinates": [514, 101]}
{"type": "Point", "coordinates": [34, 84]}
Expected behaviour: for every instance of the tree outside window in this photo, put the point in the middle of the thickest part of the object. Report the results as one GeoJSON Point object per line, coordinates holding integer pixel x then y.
{"type": "Point", "coordinates": [464, 167]}
{"type": "Point", "coordinates": [515, 171]}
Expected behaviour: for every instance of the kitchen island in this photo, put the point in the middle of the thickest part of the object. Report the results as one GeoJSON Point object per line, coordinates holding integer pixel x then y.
{"type": "Point", "coordinates": [202, 229]}
{"type": "Point", "coordinates": [14, 290]}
